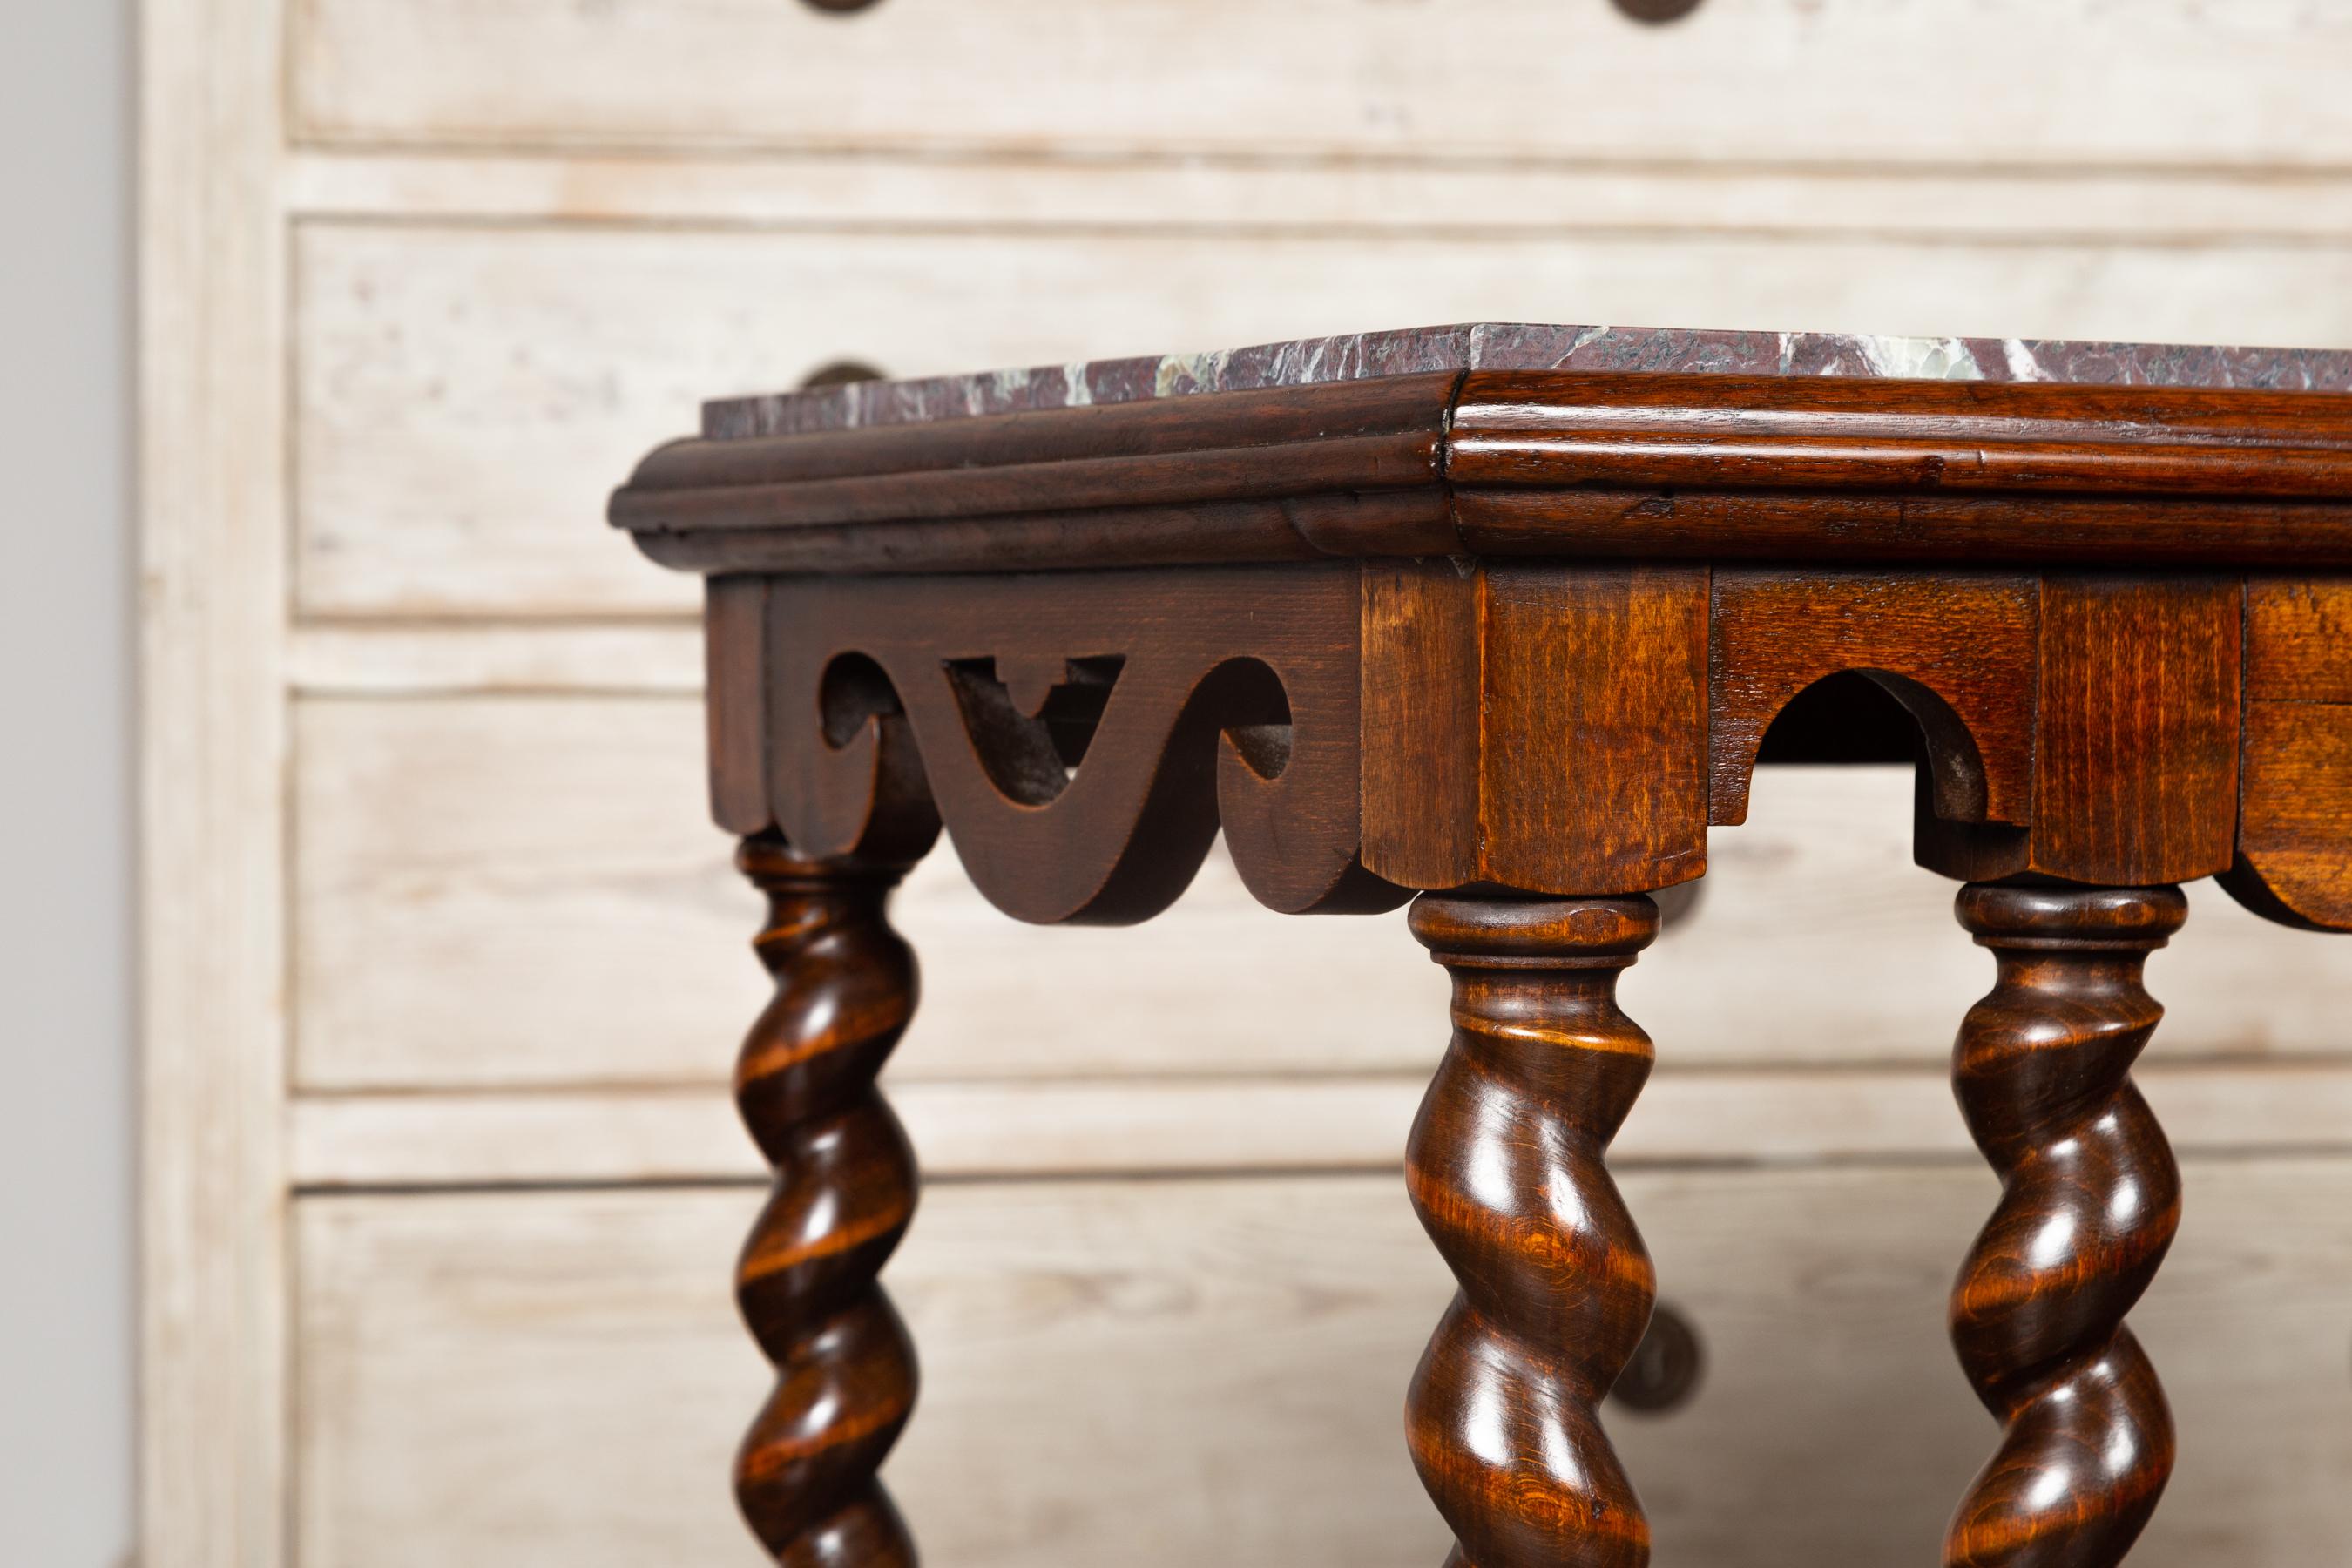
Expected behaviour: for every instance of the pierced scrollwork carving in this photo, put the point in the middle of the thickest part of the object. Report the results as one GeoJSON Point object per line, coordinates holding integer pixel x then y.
{"type": "Point", "coordinates": [1082, 739]}
{"type": "Point", "coordinates": [1030, 724]}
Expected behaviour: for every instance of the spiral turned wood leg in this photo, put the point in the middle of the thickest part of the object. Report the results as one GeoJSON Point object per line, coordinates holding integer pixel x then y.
{"type": "Point", "coordinates": [2090, 1201]}
{"type": "Point", "coordinates": [1505, 1169]}
{"type": "Point", "coordinates": [845, 1191]}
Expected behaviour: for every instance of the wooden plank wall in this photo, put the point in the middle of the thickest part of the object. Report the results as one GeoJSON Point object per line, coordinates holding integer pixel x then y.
{"type": "Point", "coordinates": [529, 1378]}
{"type": "Point", "coordinates": [423, 745]}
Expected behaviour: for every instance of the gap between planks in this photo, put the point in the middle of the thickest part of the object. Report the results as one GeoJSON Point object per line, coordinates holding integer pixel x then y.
{"type": "Point", "coordinates": [999, 194]}
{"type": "Point", "coordinates": [1183, 1126]}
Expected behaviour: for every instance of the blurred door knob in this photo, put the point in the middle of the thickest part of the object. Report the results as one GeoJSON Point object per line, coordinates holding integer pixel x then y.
{"type": "Point", "coordinates": [1657, 11]}
{"type": "Point", "coordinates": [1664, 1370]}
{"type": "Point", "coordinates": [840, 372]}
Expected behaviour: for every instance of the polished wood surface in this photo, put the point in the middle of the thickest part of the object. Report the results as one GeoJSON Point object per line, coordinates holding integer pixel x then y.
{"type": "Point", "coordinates": [1505, 1168]}
{"type": "Point", "coordinates": [1587, 608]}
{"type": "Point", "coordinates": [844, 1191]}
{"type": "Point", "coordinates": [1955, 650]}
{"type": "Point", "coordinates": [1362, 732]}
{"type": "Point", "coordinates": [2090, 1201]}
{"type": "Point", "coordinates": [1646, 465]}
{"type": "Point", "coordinates": [2136, 700]}
{"type": "Point", "coordinates": [2291, 861]}
{"type": "Point", "coordinates": [1290, 474]}
{"type": "Point", "coordinates": [1083, 739]}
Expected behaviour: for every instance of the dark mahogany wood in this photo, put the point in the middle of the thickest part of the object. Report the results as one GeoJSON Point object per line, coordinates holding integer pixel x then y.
{"type": "Point", "coordinates": [2294, 853]}
{"type": "Point", "coordinates": [1526, 463]}
{"type": "Point", "coordinates": [1957, 649]}
{"type": "Point", "coordinates": [1538, 729]}
{"type": "Point", "coordinates": [2136, 711]}
{"type": "Point", "coordinates": [1514, 641]}
{"type": "Point", "coordinates": [2090, 1200]}
{"type": "Point", "coordinates": [1083, 737]}
{"type": "Point", "coordinates": [1287, 475]}
{"type": "Point", "coordinates": [1505, 1168]}
{"type": "Point", "coordinates": [845, 1193]}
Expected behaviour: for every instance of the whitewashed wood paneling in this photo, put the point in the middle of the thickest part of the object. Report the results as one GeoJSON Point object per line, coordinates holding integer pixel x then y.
{"type": "Point", "coordinates": [512, 949]}
{"type": "Point", "coordinates": [1957, 202]}
{"type": "Point", "coordinates": [392, 660]}
{"type": "Point", "coordinates": [1262, 1124]}
{"type": "Point", "coordinates": [528, 890]}
{"type": "Point", "coordinates": [525, 890]}
{"type": "Point", "coordinates": [1163, 1373]}
{"type": "Point", "coordinates": [1841, 81]}
{"type": "Point", "coordinates": [467, 396]}
{"type": "Point", "coordinates": [213, 325]}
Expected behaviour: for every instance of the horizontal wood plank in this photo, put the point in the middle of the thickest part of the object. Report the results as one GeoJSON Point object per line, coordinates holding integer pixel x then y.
{"type": "Point", "coordinates": [1382, 197]}
{"type": "Point", "coordinates": [1061, 1127]}
{"type": "Point", "coordinates": [1160, 1372]}
{"type": "Point", "coordinates": [2292, 829]}
{"type": "Point", "coordinates": [379, 660]}
{"type": "Point", "coordinates": [1955, 81]}
{"type": "Point", "coordinates": [525, 891]}
{"type": "Point", "coordinates": [468, 396]}
{"type": "Point", "coordinates": [2295, 632]}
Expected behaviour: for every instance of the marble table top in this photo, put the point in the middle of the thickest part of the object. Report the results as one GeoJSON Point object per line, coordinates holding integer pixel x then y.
{"type": "Point", "coordinates": [1493, 345]}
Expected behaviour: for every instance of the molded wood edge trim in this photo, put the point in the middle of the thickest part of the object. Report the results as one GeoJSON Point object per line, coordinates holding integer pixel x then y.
{"type": "Point", "coordinates": [1559, 463]}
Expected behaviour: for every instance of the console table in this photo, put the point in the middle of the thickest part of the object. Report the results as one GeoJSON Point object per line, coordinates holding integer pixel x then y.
{"type": "Point", "coordinates": [1498, 619]}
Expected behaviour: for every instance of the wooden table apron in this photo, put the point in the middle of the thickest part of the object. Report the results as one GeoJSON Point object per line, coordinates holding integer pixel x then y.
{"type": "Point", "coordinates": [1509, 644]}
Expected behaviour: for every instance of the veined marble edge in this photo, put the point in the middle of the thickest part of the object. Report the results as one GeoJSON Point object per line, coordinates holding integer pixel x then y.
{"type": "Point", "coordinates": [1497, 345]}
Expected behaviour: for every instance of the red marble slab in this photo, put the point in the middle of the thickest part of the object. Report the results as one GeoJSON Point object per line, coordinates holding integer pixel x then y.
{"type": "Point", "coordinates": [1493, 345]}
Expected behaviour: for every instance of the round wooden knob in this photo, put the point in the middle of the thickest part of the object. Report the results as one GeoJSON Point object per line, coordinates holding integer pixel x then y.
{"type": "Point", "coordinates": [1677, 904]}
{"type": "Point", "coordinates": [841, 371]}
{"type": "Point", "coordinates": [1656, 12]}
{"type": "Point", "coordinates": [1664, 1370]}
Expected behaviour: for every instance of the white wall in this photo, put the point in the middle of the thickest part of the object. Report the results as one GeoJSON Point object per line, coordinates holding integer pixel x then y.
{"type": "Point", "coordinates": [65, 1251]}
